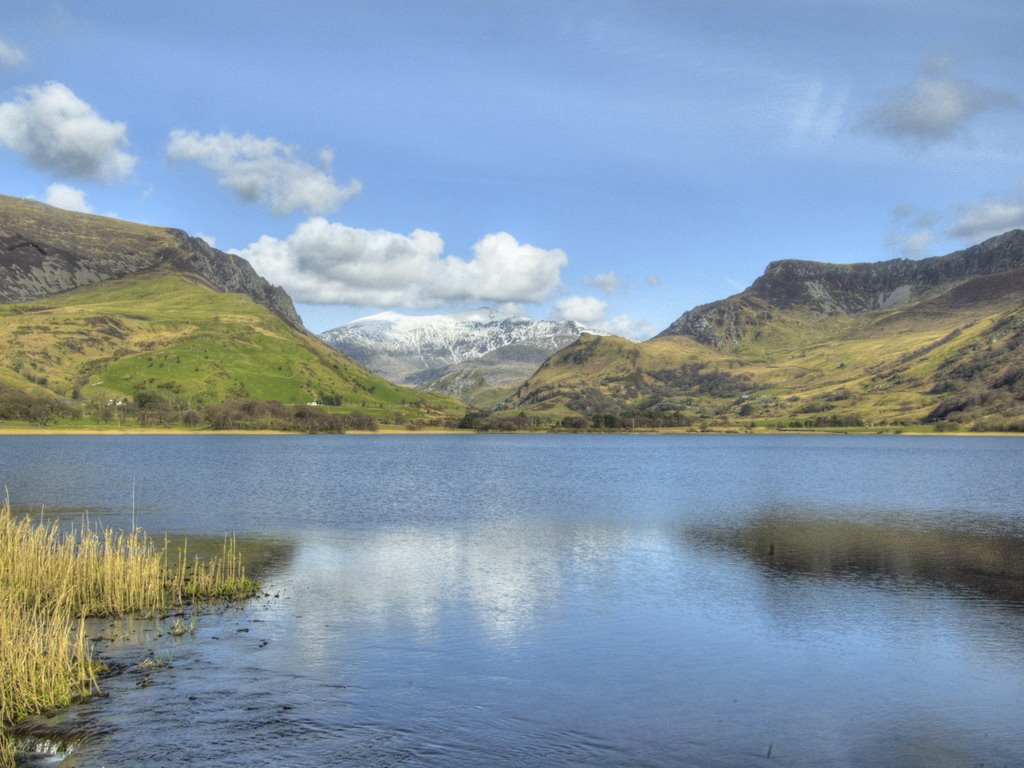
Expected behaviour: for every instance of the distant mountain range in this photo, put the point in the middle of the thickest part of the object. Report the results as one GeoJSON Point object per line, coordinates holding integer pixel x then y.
{"type": "Point", "coordinates": [480, 355]}
{"type": "Point", "coordinates": [938, 340]}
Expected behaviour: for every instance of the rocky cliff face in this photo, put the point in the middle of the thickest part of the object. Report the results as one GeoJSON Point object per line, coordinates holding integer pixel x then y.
{"type": "Point", "coordinates": [832, 289]}
{"type": "Point", "coordinates": [231, 274]}
{"type": "Point", "coordinates": [46, 250]}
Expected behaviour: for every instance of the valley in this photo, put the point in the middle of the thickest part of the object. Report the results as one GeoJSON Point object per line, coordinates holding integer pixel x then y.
{"type": "Point", "coordinates": [109, 323]}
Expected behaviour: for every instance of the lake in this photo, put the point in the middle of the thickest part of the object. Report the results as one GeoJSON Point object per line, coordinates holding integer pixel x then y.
{"type": "Point", "coordinates": [587, 600]}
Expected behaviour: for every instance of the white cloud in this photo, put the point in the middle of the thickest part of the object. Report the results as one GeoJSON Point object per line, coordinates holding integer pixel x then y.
{"type": "Point", "coordinates": [58, 132]}
{"type": "Point", "coordinates": [631, 328]}
{"type": "Point", "coordinates": [11, 56]}
{"type": "Point", "coordinates": [606, 281]}
{"type": "Point", "coordinates": [988, 218]}
{"type": "Point", "coordinates": [588, 310]}
{"type": "Point", "coordinates": [68, 198]}
{"type": "Point", "coordinates": [504, 270]}
{"type": "Point", "coordinates": [329, 263]}
{"type": "Point", "coordinates": [653, 281]}
{"type": "Point", "coordinates": [264, 170]}
{"type": "Point", "coordinates": [934, 107]}
{"type": "Point", "coordinates": [592, 311]}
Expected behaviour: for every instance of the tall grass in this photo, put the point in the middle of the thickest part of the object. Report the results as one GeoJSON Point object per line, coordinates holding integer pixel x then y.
{"type": "Point", "coordinates": [217, 578]}
{"type": "Point", "coordinates": [52, 580]}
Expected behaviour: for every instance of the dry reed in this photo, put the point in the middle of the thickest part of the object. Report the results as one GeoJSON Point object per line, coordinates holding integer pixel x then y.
{"type": "Point", "coordinates": [51, 580]}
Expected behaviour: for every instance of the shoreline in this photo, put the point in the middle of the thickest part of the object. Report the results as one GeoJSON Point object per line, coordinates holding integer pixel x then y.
{"type": "Point", "coordinates": [61, 590]}
{"type": "Point", "coordinates": [160, 431]}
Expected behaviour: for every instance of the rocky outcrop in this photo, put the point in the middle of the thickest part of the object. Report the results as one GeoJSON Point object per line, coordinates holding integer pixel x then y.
{"type": "Point", "coordinates": [45, 251]}
{"type": "Point", "coordinates": [832, 289]}
{"type": "Point", "coordinates": [231, 274]}
{"type": "Point", "coordinates": [721, 323]}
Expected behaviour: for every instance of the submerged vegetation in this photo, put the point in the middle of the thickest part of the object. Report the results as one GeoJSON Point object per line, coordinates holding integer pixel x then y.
{"type": "Point", "coordinates": [52, 580]}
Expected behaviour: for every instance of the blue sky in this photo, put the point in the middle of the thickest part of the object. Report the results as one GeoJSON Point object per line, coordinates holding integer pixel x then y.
{"type": "Point", "coordinates": [611, 162]}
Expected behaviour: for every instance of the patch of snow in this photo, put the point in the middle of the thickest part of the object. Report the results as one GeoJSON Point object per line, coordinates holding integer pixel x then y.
{"type": "Point", "coordinates": [395, 345]}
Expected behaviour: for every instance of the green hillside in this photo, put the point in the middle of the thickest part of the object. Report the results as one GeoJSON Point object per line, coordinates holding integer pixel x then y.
{"type": "Point", "coordinates": [163, 336]}
{"type": "Point", "coordinates": [949, 355]}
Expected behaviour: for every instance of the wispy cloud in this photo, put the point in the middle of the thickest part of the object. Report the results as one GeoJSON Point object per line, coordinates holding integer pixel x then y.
{"type": "Point", "coordinates": [819, 114]}
{"type": "Point", "coordinates": [323, 262]}
{"type": "Point", "coordinates": [934, 108]}
{"type": "Point", "coordinates": [608, 282]}
{"type": "Point", "coordinates": [988, 218]}
{"type": "Point", "coordinates": [911, 245]}
{"type": "Point", "coordinates": [264, 170]}
{"type": "Point", "coordinates": [10, 56]}
{"type": "Point", "coordinates": [913, 231]}
{"type": "Point", "coordinates": [58, 132]}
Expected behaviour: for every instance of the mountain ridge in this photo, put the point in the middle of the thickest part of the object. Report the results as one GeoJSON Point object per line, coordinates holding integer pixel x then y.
{"type": "Point", "coordinates": [815, 344]}
{"type": "Point", "coordinates": [45, 251]}
{"type": "Point", "coordinates": [836, 289]}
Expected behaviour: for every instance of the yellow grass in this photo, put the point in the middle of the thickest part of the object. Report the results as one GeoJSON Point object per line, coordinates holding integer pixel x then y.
{"type": "Point", "coordinates": [52, 580]}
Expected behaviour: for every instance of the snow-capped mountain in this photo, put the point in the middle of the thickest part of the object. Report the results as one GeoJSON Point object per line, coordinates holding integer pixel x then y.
{"type": "Point", "coordinates": [454, 352]}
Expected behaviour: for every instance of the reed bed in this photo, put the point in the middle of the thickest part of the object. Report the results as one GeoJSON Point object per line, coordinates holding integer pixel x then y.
{"type": "Point", "coordinates": [51, 580]}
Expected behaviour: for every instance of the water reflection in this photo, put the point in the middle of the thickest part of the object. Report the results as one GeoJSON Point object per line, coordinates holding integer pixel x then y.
{"type": "Point", "coordinates": [511, 575]}
{"type": "Point", "coordinates": [264, 558]}
{"type": "Point", "coordinates": [828, 546]}
{"type": "Point", "coordinates": [586, 600]}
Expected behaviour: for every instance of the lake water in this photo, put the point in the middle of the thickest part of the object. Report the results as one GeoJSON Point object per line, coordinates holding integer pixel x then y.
{"type": "Point", "coordinates": [586, 600]}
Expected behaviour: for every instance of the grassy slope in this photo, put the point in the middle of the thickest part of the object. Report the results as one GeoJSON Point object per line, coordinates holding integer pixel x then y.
{"type": "Point", "coordinates": [167, 332]}
{"type": "Point", "coordinates": [885, 366]}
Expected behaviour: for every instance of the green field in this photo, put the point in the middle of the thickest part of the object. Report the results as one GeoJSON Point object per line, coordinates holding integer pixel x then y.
{"type": "Point", "coordinates": [167, 336]}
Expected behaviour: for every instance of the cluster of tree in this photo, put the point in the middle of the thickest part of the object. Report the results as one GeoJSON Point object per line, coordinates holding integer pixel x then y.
{"type": "Point", "coordinates": [632, 420]}
{"type": "Point", "coordinates": [491, 422]}
{"type": "Point", "coordinates": [598, 422]}
{"type": "Point", "coordinates": [983, 381]}
{"type": "Point", "coordinates": [258, 414]}
{"type": "Point", "coordinates": [152, 408]}
{"type": "Point", "coordinates": [695, 379]}
{"type": "Point", "coordinates": [831, 421]}
{"type": "Point", "coordinates": [976, 402]}
{"type": "Point", "coordinates": [997, 424]}
{"type": "Point", "coordinates": [19, 406]}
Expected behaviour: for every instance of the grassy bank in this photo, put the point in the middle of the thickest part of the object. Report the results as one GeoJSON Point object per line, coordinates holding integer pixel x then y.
{"type": "Point", "coordinates": [52, 580]}
{"type": "Point", "coordinates": [391, 429]}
